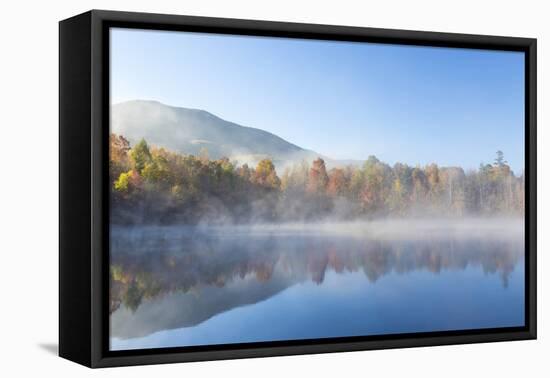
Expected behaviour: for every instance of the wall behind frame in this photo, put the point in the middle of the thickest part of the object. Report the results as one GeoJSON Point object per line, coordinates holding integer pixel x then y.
{"type": "Point", "coordinates": [30, 176]}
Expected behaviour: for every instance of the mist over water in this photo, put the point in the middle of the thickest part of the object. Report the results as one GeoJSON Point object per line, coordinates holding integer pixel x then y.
{"type": "Point", "coordinates": [389, 228]}
{"type": "Point", "coordinates": [192, 285]}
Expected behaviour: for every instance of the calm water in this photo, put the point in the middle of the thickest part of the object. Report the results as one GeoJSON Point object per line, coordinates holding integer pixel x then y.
{"type": "Point", "coordinates": [182, 286]}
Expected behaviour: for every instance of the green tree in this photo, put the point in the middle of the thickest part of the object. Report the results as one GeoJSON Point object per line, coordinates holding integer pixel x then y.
{"type": "Point", "coordinates": [401, 188]}
{"type": "Point", "coordinates": [157, 170]}
{"type": "Point", "coordinates": [141, 156]}
{"type": "Point", "coordinates": [499, 160]}
{"type": "Point", "coordinates": [377, 185]}
{"type": "Point", "coordinates": [132, 297]}
{"type": "Point", "coordinates": [420, 186]}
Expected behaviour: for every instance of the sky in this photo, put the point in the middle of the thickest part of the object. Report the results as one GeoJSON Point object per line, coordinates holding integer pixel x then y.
{"type": "Point", "coordinates": [345, 100]}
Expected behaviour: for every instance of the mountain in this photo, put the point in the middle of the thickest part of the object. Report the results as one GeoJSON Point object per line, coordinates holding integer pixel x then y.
{"type": "Point", "coordinates": [178, 309]}
{"type": "Point", "coordinates": [190, 130]}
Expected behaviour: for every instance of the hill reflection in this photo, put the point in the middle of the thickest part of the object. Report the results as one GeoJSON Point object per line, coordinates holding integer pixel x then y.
{"type": "Point", "coordinates": [223, 269]}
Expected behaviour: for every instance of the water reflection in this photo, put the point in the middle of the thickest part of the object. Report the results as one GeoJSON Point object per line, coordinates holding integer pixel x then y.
{"type": "Point", "coordinates": [173, 277]}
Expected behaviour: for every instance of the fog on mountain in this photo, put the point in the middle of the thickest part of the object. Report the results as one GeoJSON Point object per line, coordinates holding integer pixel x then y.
{"type": "Point", "coordinates": [159, 173]}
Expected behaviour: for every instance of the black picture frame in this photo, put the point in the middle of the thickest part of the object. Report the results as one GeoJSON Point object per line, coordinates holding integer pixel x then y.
{"type": "Point", "coordinates": [83, 195]}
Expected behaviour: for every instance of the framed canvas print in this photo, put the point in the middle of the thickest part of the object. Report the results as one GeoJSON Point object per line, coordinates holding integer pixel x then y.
{"type": "Point", "coordinates": [234, 188]}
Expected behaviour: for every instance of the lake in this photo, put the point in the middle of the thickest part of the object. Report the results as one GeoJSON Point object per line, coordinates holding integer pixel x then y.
{"type": "Point", "coordinates": [183, 286]}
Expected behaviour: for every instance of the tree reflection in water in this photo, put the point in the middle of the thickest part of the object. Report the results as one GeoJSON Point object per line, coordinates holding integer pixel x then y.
{"type": "Point", "coordinates": [151, 262]}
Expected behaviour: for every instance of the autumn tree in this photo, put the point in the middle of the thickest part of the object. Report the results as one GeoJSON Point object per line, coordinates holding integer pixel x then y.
{"type": "Point", "coordinates": [155, 184]}
{"type": "Point", "coordinates": [435, 187]}
{"type": "Point", "coordinates": [244, 172]}
{"type": "Point", "coordinates": [337, 183]}
{"type": "Point", "coordinates": [128, 182]}
{"type": "Point", "coordinates": [265, 175]}
{"type": "Point", "coordinates": [399, 197]}
{"type": "Point", "coordinates": [318, 177]}
{"type": "Point", "coordinates": [118, 155]}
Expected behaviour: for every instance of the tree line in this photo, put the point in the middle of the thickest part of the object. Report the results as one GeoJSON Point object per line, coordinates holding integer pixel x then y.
{"type": "Point", "coordinates": [153, 185]}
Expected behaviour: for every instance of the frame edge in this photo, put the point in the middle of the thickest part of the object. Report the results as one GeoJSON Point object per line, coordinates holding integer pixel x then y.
{"type": "Point", "coordinates": [74, 194]}
{"type": "Point", "coordinates": [99, 18]}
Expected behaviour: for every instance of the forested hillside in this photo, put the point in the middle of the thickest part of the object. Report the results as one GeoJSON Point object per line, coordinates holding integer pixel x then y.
{"type": "Point", "coordinates": [151, 184]}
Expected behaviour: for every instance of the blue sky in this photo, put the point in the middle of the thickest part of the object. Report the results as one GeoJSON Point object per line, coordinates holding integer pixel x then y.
{"type": "Point", "coordinates": [415, 105]}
